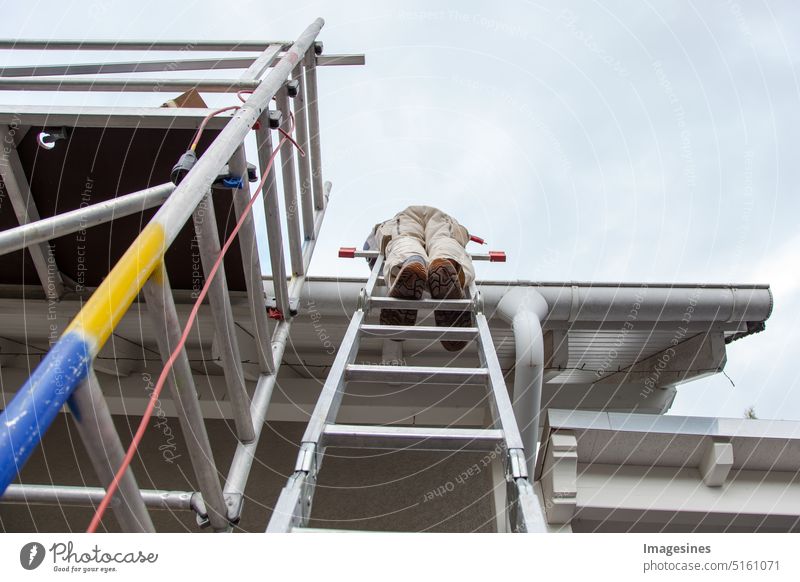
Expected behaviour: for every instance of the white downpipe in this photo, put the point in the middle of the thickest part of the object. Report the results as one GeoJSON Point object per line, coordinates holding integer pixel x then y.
{"type": "Point", "coordinates": [525, 308]}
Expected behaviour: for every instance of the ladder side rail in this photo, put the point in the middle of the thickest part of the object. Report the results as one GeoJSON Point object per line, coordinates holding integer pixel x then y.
{"type": "Point", "coordinates": [331, 396]}
{"type": "Point", "coordinates": [505, 413]}
{"type": "Point", "coordinates": [293, 507]}
{"type": "Point", "coordinates": [525, 513]}
{"type": "Point", "coordinates": [522, 506]}
{"type": "Point", "coordinates": [494, 413]}
{"type": "Point", "coordinates": [294, 502]}
{"type": "Point", "coordinates": [504, 410]}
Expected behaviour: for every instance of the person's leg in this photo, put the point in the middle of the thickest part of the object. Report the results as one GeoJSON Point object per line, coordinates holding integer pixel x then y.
{"type": "Point", "coordinates": [405, 267]}
{"type": "Point", "coordinates": [401, 238]}
{"type": "Point", "coordinates": [445, 238]}
{"type": "Point", "coordinates": [450, 270]}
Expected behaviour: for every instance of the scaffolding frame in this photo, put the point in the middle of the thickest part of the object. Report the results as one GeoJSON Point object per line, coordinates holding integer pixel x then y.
{"type": "Point", "coordinates": [283, 70]}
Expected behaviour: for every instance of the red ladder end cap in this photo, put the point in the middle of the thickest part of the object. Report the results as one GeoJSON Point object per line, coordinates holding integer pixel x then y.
{"type": "Point", "coordinates": [347, 252]}
{"type": "Point", "coordinates": [497, 256]}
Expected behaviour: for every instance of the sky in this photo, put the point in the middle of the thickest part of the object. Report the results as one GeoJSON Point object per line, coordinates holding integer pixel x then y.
{"type": "Point", "coordinates": [613, 141]}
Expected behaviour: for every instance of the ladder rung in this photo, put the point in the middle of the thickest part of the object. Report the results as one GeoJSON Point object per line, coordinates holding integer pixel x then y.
{"type": "Point", "coordinates": [445, 304]}
{"type": "Point", "coordinates": [420, 332]}
{"type": "Point", "coordinates": [415, 374]}
{"type": "Point", "coordinates": [412, 437]}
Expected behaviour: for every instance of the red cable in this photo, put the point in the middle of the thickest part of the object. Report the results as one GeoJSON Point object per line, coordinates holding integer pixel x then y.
{"type": "Point", "coordinates": [206, 119]}
{"type": "Point", "coordinates": [137, 438]}
{"type": "Point", "coordinates": [286, 135]}
{"type": "Point", "coordinates": [244, 92]}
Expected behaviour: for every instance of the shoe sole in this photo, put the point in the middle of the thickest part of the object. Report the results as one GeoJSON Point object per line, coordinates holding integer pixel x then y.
{"type": "Point", "coordinates": [410, 284]}
{"type": "Point", "coordinates": [443, 283]}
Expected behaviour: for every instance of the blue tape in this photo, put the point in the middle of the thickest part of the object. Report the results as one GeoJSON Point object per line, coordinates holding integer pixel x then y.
{"type": "Point", "coordinates": [230, 182]}
{"type": "Point", "coordinates": [28, 416]}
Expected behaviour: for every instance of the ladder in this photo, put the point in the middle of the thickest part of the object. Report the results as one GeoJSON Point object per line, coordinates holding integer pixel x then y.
{"type": "Point", "coordinates": [293, 508]}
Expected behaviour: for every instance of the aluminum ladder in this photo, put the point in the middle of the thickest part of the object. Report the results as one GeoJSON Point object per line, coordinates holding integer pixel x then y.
{"type": "Point", "coordinates": [523, 512]}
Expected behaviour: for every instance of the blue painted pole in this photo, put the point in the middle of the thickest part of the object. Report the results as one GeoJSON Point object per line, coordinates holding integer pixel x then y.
{"type": "Point", "coordinates": [31, 412]}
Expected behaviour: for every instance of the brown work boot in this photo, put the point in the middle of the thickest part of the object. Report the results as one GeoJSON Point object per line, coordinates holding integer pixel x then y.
{"type": "Point", "coordinates": [409, 284]}
{"type": "Point", "coordinates": [446, 281]}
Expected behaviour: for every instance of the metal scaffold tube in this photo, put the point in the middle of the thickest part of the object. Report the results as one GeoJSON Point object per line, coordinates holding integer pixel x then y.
{"type": "Point", "coordinates": [102, 442]}
{"type": "Point", "coordinates": [132, 84]}
{"type": "Point", "coordinates": [290, 187]}
{"type": "Point", "coordinates": [45, 229]}
{"type": "Point", "coordinates": [90, 496]}
{"type": "Point", "coordinates": [164, 317]}
{"type": "Point", "coordinates": [296, 286]}
{"type": "Point", "coordinates": [128, 67]}
{"type": "Point", "coordinates": [140, 45]}
{"type": "Point", "coordinates": [312, 104]}
{"type": "Point", "coordinates": [19, 192]}
{"type": "Point", "coordinates": [251, 265]}
{"type": "Point", "coordinates": [272, 212]}
{"type": "Point", "coordinates": [205, 225]}
{"type": "Point", "coordinates": [304, 162]}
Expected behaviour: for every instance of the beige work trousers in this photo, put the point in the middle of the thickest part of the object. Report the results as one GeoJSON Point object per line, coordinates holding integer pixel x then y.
{"type": "Point", "coordinates": [427, 232]}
